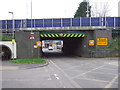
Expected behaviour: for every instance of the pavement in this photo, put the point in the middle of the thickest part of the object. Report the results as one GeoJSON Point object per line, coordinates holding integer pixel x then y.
{"type": "Point", "coordinates": [6, 65]}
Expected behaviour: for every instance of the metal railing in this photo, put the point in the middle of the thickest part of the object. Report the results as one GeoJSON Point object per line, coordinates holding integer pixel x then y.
{"type": "Point", "coordinates": [111, 22]}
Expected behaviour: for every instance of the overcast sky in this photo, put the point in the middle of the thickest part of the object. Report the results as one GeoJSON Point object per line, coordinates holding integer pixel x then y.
{"type": "Point", "coordinates": [49, 8]}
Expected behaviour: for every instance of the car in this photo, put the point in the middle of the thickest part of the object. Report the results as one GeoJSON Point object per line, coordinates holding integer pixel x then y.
{"type": "Point", "coordinates": [50, 48]}
{"type": "Point", "coordinates": [59, 46]}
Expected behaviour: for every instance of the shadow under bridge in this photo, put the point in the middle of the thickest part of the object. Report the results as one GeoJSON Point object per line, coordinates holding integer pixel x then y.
{"type": "Point", "coordinates": [72, 42]}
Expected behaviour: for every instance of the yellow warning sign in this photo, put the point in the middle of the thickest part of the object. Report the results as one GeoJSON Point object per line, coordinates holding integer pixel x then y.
{"type": "Point", "coordinates": [102, 41]}
{"type": "Point", "coordinates": [13, 40]}
{"type": "Point", "coordinates": [91, 42]}
{"type": "Point", "coordinates": [39, 44]}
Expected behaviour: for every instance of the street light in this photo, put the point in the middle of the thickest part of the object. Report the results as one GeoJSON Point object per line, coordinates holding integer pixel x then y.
{"type": "Point", "coordinates": [13, 40]}
{"type": "Point", "coordinates": [87, 12]}
{"type": "Point", "coordinates": [31, 18]}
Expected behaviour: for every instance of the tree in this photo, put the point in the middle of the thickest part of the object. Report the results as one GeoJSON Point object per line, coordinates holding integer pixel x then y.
{"type": "Point", "coordinates": [82, 10]}
{"type": "Point", "coordinates": [100, 10]}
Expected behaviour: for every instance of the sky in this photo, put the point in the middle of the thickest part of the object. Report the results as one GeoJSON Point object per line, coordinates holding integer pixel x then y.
{"type": "Point", "coordinates": [49, 8]}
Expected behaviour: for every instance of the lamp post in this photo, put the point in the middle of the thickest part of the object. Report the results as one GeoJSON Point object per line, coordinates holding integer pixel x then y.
{"type": "Point", "coordinates": [13, 36]}
{"type": "Point", "coordinates": [87, 12]}
{"type": "Point", "coordinates": [31, 18]}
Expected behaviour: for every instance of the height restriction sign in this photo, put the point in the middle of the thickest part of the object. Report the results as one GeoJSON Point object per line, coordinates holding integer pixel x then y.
{"type": "Point", "coordinates": [39, 44]}
{"type": "Point", "coordinates": [32, 37]}
{"type": "Point", "coordinates": [91, 42]}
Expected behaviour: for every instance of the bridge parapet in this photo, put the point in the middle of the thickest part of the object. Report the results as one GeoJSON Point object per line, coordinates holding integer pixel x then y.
{"type": "Point", "coordinates": [65, 28]}
{"type": "Point", "coordinates": [62, 23]}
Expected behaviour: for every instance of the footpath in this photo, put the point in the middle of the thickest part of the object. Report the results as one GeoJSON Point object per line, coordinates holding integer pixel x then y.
{"type": "Point", "coordinates": [6, 65]}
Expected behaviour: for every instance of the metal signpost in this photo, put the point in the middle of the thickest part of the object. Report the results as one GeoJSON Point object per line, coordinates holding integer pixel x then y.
{"type": "Point", "coordinates": [91, 44]}
{"type": "Point", "coordinates": [32, 38]}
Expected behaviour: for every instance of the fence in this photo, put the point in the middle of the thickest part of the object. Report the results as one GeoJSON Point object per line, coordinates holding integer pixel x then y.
{"type": "Point", "coordinates": [113, 22]}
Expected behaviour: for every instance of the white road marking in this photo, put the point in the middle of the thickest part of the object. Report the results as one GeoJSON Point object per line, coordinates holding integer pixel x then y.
{"type": "Point", "coordinates": [56, 76]}
{"type": "Point", "coordinates": [110, 83]}
{"type": "Point", "coordinates": [73, 82]}
{"type": "Point", "coordinates": [113, 63]}
{"type": "Point", "coordinates": [89, 71]}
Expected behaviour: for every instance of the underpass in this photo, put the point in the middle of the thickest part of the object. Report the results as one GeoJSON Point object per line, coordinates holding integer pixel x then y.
{"type": "Point", "coordinates": [75, 43]}
{"type": "Point", "coordinates": [76, 34]}
{"type": "Point", "coordinates": [72, 40]}
{"type": "Point", "coordinates": [70, 70]}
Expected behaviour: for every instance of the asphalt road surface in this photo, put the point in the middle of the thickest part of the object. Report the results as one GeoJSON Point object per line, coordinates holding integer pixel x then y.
{"type": "Point", "coordinates": [46, 50]}
{"type": "Point", "coordinates": [65, 72]}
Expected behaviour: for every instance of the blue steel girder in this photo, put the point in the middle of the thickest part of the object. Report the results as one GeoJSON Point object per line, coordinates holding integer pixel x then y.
{"type": "Point", "coordinates": [110, 22]}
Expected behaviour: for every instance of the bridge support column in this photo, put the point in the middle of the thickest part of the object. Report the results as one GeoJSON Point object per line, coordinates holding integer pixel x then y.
{"type": "Point", "coordinates": [25, 46]}
{"type": "Point", "coordinates": [100, 50]}
{"type": "Point", "coordinates": [103, 34]}
{"type": "Point", "coordinates": [83, 49]}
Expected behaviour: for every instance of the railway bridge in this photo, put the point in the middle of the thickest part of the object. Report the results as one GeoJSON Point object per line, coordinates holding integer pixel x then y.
{"type": "Point", "coordinates": [79, 35]}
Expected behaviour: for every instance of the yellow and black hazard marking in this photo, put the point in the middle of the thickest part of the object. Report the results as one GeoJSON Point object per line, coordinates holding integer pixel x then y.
{"type": "Point", "coordinates": [62, 35]}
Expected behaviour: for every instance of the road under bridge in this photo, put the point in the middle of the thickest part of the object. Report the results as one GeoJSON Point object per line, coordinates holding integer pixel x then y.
{"type": "Point", "coordinates": [74, 42]}
{"type": "Point", "coordinates": [76, 34]}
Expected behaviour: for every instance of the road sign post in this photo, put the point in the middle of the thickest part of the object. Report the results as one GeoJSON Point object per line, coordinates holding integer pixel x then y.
{"type": "Point", "coordinates": [91, 44]}
{"type": "Point", "coordinates": [13, 41]}
{"type": "Point", "coordinates": [31, 37]}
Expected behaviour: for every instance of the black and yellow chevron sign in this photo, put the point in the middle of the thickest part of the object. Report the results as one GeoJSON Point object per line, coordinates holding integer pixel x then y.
{"type": "Point", "coordinates": [62, 35]}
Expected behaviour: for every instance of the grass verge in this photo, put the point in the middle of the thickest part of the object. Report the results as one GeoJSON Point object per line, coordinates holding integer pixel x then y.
{"type": "Point", "coordinates": [6, 38]}
{"type": "Point", "coordinates": [29, 61]}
